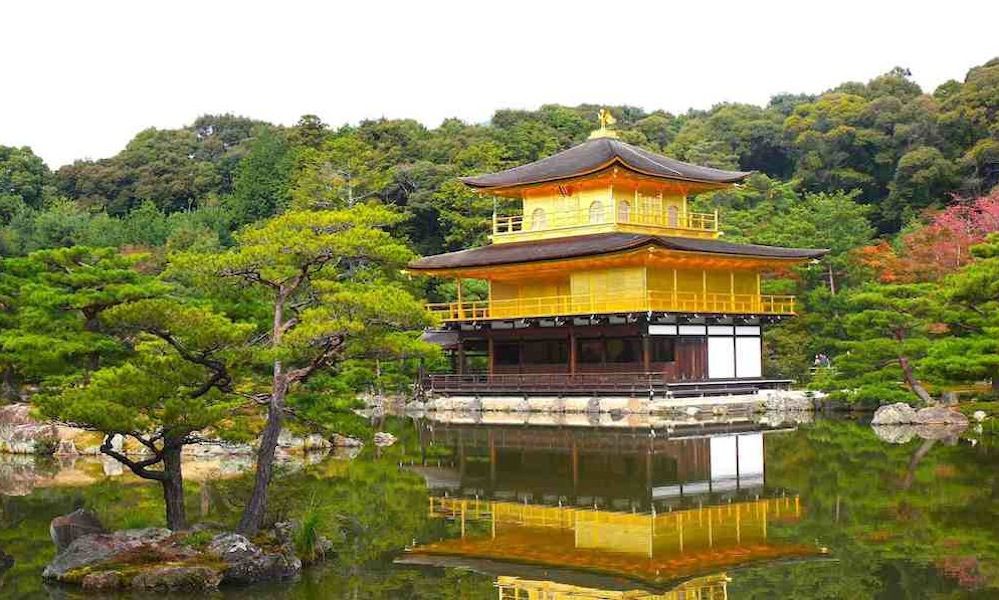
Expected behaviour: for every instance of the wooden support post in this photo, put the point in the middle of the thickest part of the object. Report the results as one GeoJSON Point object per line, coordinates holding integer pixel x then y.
{"type": "Point", "coordinates": [461, 305]}
{"type": "Point", "coordinates": [492, 513]}
{"type": "Point", "coordinates": [646, 353]}
{"type": "Point", "coordinates": [572, 349]}
{"type": "Point", "coordinates": [490, 350]}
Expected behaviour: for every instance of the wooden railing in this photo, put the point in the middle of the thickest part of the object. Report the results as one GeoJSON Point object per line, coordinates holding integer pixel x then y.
{"type": "Point", "coordinates": [564, 305]}
{"type": "Point", "coordinates": [525, 225]}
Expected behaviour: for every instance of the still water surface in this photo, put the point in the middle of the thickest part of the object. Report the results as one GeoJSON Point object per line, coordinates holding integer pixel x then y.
{"type": "Point", "coordinates": [824, 509]}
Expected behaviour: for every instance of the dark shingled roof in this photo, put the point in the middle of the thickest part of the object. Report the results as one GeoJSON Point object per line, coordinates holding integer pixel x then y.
{"type": "Point", "coordinates": [597, 154]}
{"type": "Point", "coordinates": [597, 244]}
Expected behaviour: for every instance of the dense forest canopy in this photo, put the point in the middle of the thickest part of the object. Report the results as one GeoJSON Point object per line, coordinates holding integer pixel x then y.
{"type": "Point", "coordinates": [895, 180]}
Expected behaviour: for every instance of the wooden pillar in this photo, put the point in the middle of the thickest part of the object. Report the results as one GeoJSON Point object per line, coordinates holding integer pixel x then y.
{"type": "Point", "coordinates": [575, 469]}
{"type": "Point", "coordinates": [572, 349]}
{"type": "Point", "coordinates": [460, 367]}
{"type": "Point", "coordinates": [704, 290]}
{"type": "Point", "coordinates": [646, 353]}
{"type": "Point", "coordinates": [461, 306]}
{"type": "Point", "coordinates": [489, 350]}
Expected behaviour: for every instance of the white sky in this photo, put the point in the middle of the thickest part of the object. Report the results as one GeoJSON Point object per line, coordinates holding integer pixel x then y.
{"type": "Point", "coordinates": [80, 78]}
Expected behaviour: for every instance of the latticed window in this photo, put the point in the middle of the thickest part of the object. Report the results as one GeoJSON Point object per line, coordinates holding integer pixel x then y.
{"type": "Point", "coordinates": [623, 212]}
{"type": "Point", "coordinates": [596, 212]}
{"type": "Point", "coordinates": [673, 216]}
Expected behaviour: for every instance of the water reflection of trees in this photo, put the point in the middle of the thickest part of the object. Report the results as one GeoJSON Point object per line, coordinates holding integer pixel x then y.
{"type": "Point", "coordinates": [905, 520]}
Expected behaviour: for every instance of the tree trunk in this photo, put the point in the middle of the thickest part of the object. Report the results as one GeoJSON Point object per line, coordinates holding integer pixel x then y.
{"type": "Point", "coordinates": [10, 393]}
{"type": "Point", "coordinates": [995, 383]}
{"type": "Point", "coordinates": [913, 383]}
{"type": "Point", "coordinates": [253, 514]}
{"type": "Point", "coordinates": [832, 279]}
{"type": "Point", "coordinates": [173, 487]}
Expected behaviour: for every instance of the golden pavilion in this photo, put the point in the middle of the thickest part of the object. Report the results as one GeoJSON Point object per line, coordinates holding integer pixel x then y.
{"type": "Point", "coordinates": [607, 282]}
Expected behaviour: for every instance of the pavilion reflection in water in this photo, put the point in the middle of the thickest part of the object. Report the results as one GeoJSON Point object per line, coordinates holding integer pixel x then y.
{"type": "Point", "coordinates": [630, 504]}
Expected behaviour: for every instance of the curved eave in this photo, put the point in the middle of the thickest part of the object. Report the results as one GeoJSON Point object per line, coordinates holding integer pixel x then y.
{"type": "Point", "coordinates": [525, 253]}
{"type": "Point", "coordinates": [705, 184]}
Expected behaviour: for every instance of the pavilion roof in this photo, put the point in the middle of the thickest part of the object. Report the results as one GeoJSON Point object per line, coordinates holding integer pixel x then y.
{"type": "Point", "coordinates": [600, 244]}
{"type": "Point", "coordinates": [596, 155]}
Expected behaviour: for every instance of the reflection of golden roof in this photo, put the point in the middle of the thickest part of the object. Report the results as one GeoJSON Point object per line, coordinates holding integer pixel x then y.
{"type": "Point", "coordinates": [711, 587]}
{"type": "Point", "coordinates": [645, 547]}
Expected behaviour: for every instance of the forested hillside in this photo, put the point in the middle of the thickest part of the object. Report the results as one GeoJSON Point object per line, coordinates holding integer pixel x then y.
{"type": "Point", "coordinates": [864, 169]}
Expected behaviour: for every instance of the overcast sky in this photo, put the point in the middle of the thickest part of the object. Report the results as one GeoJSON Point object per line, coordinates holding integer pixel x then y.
{"type": "Point", "coordinates": [80, 78]}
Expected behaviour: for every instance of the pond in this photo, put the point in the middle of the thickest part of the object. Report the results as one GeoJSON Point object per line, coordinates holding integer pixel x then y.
{"type": "Point", "coordinates": [463, 509]}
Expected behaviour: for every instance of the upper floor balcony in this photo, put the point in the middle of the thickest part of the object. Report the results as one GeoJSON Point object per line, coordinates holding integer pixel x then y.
{"type": "Point", "coordinates": [601, 217]}
{"type": "Point", "coordinates": [622, 302]}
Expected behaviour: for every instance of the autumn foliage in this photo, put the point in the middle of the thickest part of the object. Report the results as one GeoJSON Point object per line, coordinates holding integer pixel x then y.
{"type": "Point", "coordinates": [938, 248]}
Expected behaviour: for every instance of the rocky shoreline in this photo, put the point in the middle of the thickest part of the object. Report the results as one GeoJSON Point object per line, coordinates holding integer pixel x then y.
{"type": "Point", "coordinates": [20, 433]}
{"type": "Point", "coordinates": [157, 559]}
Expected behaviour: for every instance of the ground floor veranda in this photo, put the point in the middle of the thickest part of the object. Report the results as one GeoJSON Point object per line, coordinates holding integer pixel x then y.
{"type": "Point", "coordinates": [611, 354]}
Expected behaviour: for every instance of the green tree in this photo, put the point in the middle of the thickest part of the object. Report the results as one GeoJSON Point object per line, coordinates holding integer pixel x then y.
{"type": "Point", "coordinates": [263, 178]}
{"type": "Point", "coordinates": [970, 351]}
{"type": "Point", "coordinates": [174, 385]}
{"type": "Point", "coordinates": [54, 315]}
{"type": "Point", "coordinates": [887, 329]}
{"type": "Point", "coordinates": [329, 281]}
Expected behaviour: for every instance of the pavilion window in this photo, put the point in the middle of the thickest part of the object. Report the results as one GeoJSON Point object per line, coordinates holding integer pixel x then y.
{"type": "Point", "coordinates": [623, 212]}
{"type": "Point", "coordinates": [625, 350]}
{"type": "Point", "coordinates": [506, 353]}
{"type": "Point", "coordinates": [539, 220]}
{"type": "Point", "coordinates": [673, 216]}
{"type": "Point", "coordinates": [596, 212]}
{"type": "Point", "coordinates": [663, 349]}
{"type": "Point", "coordinates": [590, 351]}
{"type": "Point", "coordinates": [546, 352]}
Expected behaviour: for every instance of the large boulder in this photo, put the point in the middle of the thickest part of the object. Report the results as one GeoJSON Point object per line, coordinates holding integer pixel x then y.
{"type": "Point", "coordinates": [94, 549]}
{"type": "Point", "coordinates": [899, 413]}
{"type": "Point", "coordinates": [940, 415]}
{"type": "Point", "coordinates": [67, 528]}
{"type": "Point", "coordinates": [247, 563]}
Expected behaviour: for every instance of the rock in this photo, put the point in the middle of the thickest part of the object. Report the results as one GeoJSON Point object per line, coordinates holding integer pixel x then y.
{"type": "Point", "coordinates": [940, 415]}
{"type": "Point", "coordinates": [20, 434]}
{"type": "Point", "coordinates": [67, 528]}
{"type": "Point", "coordinates": [949, 434]}
{"type": "Point", "coordinates": [384, 439]}
{"type": "Point", "coordinates": [246, 563]}
{"type": "Point", "coordinates": [691, 411]}
{"type": "Point", "coordinates": [104, 581]}
{"type": "Point", "coordinates": [178, 579]}
{"type": "Point", "coordinates": [899, 413]}
{"type": "Point", "coordinates": [344, 441]}
{"type": "Point", "coordinates": [96, 548]}
{"type": "Point", "coordinates": [894, 434]}
{"type": "Point", "coordinates": [979, 415]}
{"type": "Point", "coordinates": [786, 400]}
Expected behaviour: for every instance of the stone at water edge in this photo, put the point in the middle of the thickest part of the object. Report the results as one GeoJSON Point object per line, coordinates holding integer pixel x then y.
{"type": "Point", "coordinates": [940, 415]}
{"type": "Point", "coordinates": [383, 439]}
{"type": "Point", "coordinates": [65, 529]}
{"type": "Point", "coordinates": [899, 413]}
{"type": "Point", "coordinates": [96, 548]}
{"type": "Point", "coordinates": [246, 563]}
{"type": "Point", "coordinates": [178, 579]}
